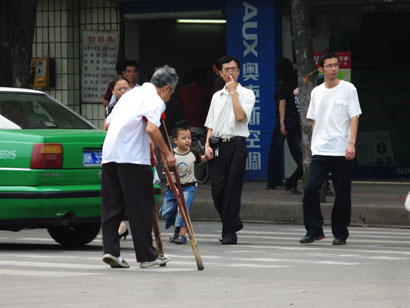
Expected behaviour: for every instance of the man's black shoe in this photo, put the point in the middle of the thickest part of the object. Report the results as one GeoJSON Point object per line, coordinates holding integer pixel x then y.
{"type": "Point", "coordinates": [294, 191]}
{"type": "Point", "coordinates": [309, 238]}
{"type": "Point", "coordinates": [221, 239]}
{"type": "Point", "coordinates": [339, 241]}
{"type": "Point", "coordinates": [229, 241]}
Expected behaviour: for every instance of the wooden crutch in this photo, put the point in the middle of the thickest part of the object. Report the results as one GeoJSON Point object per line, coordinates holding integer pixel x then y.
{"type": "Point", "coordinates": [155, 223]}
{"type": "Point", "coordinates": [179, 197]}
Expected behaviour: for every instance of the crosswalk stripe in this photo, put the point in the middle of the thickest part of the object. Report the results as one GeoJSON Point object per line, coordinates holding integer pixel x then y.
{"type": "Point", "coordinates": [313, 247]}
{"type": "Point", "coordinates": [51, 265]}
{"type": "Point", "coordinates": [14, 272]}
{"type": "Point", "coordinates": [256, 265]}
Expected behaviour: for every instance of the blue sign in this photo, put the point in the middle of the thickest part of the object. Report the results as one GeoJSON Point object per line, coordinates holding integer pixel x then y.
{"type": "Point", "coordinates": [252, 36]}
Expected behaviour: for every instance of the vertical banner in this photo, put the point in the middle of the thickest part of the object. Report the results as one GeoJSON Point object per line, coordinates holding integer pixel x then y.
{"type": "Point", "coordinates": [100, 50]}
{"type": "Point", "coordinates": [251, 37]}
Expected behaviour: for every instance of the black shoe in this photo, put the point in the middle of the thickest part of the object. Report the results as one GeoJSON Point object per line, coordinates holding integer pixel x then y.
{"type": "Point", "coordinates": [175, 236]}
{"type": "Point", "coordinates": [124, 235]}
{"type": "Point", "coordinates": [294, 191]}
{"type": "Point", "coordinates": [229, 240]}
{"type": "Point", "coordinates": [221, 239]}
{"type": "Point", "coordinates": [273, 187]}
{"type": "Point", "coordinates": [339, 241]}
{"type": "Point", "coordinates": [309, 238]}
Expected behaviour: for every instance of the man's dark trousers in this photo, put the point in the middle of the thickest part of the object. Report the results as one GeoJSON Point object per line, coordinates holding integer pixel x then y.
{"type": "Point", "coordinates": [341, 170]}
{"type": "Point", "coordinates": [127, 187]}
{"type": "Point", "coordinates": [275, 154]}
{"type": "Point", "coordinates": [227, 173]}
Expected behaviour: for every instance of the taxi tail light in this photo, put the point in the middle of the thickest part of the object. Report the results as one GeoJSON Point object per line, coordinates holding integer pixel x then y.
{"type": "Point", "coordinates": [47, 156]}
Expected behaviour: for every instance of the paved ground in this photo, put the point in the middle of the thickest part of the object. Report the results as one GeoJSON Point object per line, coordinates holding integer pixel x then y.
{"type": "Point", "coordinates": [267, 269]}
{"type": "Point", "coordinates": [373, 204]}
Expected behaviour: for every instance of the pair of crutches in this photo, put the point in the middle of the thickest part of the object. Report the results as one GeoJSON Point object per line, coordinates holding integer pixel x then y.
{"type": "Point", "coordinates": [179, 197]}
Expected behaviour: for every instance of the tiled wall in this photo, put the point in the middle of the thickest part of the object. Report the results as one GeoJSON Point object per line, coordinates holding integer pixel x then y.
{"type": "Point", "coordinates": [58, 36]}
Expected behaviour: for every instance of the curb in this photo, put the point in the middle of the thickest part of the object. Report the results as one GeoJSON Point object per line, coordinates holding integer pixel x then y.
{"type": "Point", "coordinates": [291, 212]}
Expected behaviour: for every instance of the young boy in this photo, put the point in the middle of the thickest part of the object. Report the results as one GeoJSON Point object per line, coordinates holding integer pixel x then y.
{"type": "Point", "coordinates": [185, 161]}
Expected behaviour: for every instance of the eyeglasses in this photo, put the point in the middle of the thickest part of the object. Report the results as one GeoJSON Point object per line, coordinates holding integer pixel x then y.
{"type": "Point", "coordinates": [336, 65]}
{"type": "Point", "coordinates": [230, 69]}
{"type": "Point", "coordinates": [121, 89]}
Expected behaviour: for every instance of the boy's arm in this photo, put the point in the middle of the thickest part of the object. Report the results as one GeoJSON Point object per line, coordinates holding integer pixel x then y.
{"type": "Point", "coordinates": [203, 159]}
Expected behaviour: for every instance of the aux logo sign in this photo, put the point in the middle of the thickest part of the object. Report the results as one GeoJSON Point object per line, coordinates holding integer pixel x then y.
{"type": "Point", "coordinates": [250, 40]}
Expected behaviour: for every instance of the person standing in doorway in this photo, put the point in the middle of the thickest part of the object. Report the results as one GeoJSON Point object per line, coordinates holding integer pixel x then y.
{"type": "Point", "coordinates": [335, 109]}
{"type": "Point", "coordinates": [227, 124]}
{"type": "Point", "coordinates": [287, 127]}
{"type": "Point", "coordinates": [126, 168]}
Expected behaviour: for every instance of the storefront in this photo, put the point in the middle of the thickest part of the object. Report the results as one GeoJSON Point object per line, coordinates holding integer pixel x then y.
{"type": "Point", "coordinates": [258, 32]}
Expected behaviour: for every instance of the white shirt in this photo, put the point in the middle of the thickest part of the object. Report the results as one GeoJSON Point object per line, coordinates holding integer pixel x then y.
{"type": "Point", "coordinates": [332, 110]}
{"type": "Point", "coordinates": [113, 99]}
{"type": "Point", "coordinates": [221, 117]}
{"type": "Point", "coordinates": [127, 140]}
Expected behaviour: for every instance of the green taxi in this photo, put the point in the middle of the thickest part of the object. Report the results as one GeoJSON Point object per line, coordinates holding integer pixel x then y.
{"type": "Point", "coordinates": [50, 165]}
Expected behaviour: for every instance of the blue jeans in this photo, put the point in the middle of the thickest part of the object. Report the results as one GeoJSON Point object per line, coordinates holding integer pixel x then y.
{"type": "Point", "coordinates": [168, 210]}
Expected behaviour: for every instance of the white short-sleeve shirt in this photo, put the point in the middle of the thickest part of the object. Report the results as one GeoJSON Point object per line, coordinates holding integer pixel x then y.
{"type": "Point", "coordinates": [221, 117]}
{"type": "Point", "coordinates": [127, 140]}
{"type": "Point", "coordinates": [332, 110]}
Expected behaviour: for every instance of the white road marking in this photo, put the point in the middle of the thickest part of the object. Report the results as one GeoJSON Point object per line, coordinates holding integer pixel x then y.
{"type": "Point", "coordinates": [14, 272]}
{"type": "Point", "coordinates": [256, 265]}
{"type": "Point", "coordinates": [52, 265]}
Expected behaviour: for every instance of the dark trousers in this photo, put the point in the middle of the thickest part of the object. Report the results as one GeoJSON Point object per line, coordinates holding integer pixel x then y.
{"type": "Point", "coordinates": [227, 173]}
{"type": "Point", "coordinates": [341, 170]}
{"type": "Point", "coordinates": [274, 163]}
{"type": "Point", "coordinates": [127, 187]}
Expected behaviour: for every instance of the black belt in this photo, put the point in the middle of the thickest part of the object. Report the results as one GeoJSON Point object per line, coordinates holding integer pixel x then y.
{"type": "Point", "coordinates": [231, 139]}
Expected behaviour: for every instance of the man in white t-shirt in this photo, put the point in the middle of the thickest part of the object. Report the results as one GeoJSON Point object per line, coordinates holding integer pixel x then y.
{"type": "Point", "coordinates": [335, 109]}
{"type": "Point", "coordinates": [126, 167]}
{"type": "Point", "coordinates": [227, 122]}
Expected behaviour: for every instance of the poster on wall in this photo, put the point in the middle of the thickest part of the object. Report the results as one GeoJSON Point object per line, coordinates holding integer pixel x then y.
{"type": "Point", "coordinates": [374, 149]}
{"type": "Point", "coordinates": [345, 65]}
{"type": "Point", "coordinates": [100, 50]}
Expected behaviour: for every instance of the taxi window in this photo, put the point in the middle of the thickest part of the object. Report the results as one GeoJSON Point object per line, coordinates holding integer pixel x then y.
{"type": "Point", "coordinates": [29, 111]}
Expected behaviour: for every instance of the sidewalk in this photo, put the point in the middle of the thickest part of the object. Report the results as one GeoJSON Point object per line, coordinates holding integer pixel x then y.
{"type": "Point", "coordinates": [373, 204]}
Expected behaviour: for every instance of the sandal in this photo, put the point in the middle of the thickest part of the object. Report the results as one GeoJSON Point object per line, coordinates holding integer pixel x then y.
{"type": "Point", "coordinates": [175, 236]}
{"type": "Point", "coordinates": [180, 240]}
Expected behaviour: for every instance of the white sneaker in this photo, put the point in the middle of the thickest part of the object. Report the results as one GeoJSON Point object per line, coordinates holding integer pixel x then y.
{"type": "Point", "coordinates": [158, 261]}
{"type": "Point", "coordinates": [115, 262]}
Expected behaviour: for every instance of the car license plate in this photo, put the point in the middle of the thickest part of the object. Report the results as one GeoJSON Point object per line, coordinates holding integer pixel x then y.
{"type": "Point", "coordinates": [92, 158]}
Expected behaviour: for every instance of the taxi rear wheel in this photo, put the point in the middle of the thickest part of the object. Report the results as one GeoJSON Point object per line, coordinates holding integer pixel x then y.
{"type": "Point", "coordinates": [76, 235]}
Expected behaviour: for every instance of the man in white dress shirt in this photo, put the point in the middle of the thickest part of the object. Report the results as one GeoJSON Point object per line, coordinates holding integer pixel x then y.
{"type": "Point", "coordinates": [227, 124]}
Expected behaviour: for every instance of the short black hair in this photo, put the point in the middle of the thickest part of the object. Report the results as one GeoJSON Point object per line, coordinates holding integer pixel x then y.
{"type": "Point", "coordinates": [327, 54]}
{"type": "Point", "coordinates": [227, 59]}
{"type": "Point", "coordinates": [216, 63]}
{"type": "Point", "coordinates": [131, 63]}
{"type": "Point", "coordinates": [120, 65]}
{"type": "Point", "coordinates": [178, 127]}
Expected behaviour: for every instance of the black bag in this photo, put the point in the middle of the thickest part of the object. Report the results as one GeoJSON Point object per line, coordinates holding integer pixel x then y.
{"type": "Point", "coordinates": [213, 142]}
